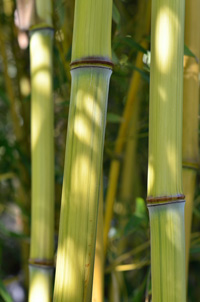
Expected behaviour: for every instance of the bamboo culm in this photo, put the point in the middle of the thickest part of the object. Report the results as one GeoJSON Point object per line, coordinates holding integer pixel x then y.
{"type": "Point", "coordinates": [41, 262]}
{"type": "Point", "coordinates": [91, 69]}
{"type": "Point", "coordinates": [165, 196]}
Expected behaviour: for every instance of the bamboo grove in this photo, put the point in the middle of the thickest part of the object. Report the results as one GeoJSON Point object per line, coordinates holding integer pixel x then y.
{"type": "Point", "coordinates": [99, 151]}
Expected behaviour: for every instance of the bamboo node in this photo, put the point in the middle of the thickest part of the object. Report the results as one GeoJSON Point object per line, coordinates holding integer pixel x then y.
{"type": "Point", "coordinates": [160, 200]}
{"type": "Point", "coordinates": [92, 61]}
{"type": "Point", "coordinates": [191, 165]}
{"type": "Point", "coordinates": [46, 263]}
{"type": "Point", "coordinates": [40, 27]}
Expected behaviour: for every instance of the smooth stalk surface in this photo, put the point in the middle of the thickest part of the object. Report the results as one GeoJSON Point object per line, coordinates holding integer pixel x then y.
{"type": "Point", "coordinates": [165, 196]}
{"type": "Point", "coordinates": [91, 71]}
{"type": "Point", "coordinates": [42, 209]}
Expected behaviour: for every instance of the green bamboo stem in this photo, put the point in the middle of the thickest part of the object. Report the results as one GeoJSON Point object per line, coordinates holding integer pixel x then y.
{"type": "Point", "coordinates": [190, 115]}
{"type": "Point", "coordinates": [41, 280]}
{"type": "Point", "coordinates": [165, 196]}
{"type": "Point", "coordinates": [42, 209]}
{"type": "Point", "coordinates": [114, 290]}
{"type": "Point", "coordinates": [91, 71]}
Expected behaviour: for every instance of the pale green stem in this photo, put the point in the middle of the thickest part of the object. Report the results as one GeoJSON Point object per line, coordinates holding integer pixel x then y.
{"type": "Point", "coordinates": [165, 195]}
{"type": "Point", "coordinates": [42, 209]}
{"type": "Point", "coordinates": [83, 162]}
{"type": "Point", "coordinates": [167, 252]}
{"type": "Point", "coordinates": [41, 280]}
{"type": "Point", "coordinates": [42, 222]}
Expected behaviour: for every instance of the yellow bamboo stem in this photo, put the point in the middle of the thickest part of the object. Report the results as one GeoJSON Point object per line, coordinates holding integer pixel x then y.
{"type": "Point", "coordinates": [190, 115]}
{"type": "Point", "coordinates": [41, 262]}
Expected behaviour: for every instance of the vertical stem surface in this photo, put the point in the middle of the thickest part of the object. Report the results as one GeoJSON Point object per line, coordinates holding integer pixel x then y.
{"type": "Point", "coordinates": [165, 196]}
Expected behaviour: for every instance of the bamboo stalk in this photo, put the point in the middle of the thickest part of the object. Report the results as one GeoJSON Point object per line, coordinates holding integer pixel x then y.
{"type": "Point", "coordinates": [165, 196]}
{"type": "Point", "coordinates": [21, 195]}
{"type": "Point", "coordinates": [91, 71]}
{"type": "Point", "coordinates": [190, 115]}
{"type": "Point", "coordinates": [42, 211]}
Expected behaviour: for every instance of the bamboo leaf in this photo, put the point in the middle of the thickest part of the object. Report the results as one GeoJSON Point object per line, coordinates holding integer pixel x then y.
{"type": "Point", "coordinates": [4, 97]}
{"type": "Point", "coordinates": [145, 75]}
{"type": "Point", "coordinates": [139, 219]}
{"type": "Point", "coordinates": [4, 293]}
{"type": "Point", "coordinates": [128, 41]}
{"type": "Point", "coordinates": [195, 250]}
{"type": "Point", "coordinates": [133, 224]}
{"type": "Point", "coordinates": [114, 57]}
{"type": "Point", "coordinates": [114, 118]}
{"type": "Point", "coordinates": [189, 53]}
{"type": "Point", "coordinates": [115, 14]}
{"type": "Point", "coordinates": [140, 209]}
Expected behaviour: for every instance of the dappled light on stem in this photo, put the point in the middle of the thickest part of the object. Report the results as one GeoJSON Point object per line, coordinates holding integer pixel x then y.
{"type": "Point", "coordinates": [42, 145]}
{"type": "Point", "coordinates": [165, 25]}
{"type": "Point", "coordinates": [151, 175]}
{"type": "Point", "coordinates": [40, 284]}
{"type": "Point", "coordinates": [167, 241]}
{"type": "Point", "coordinates": [83, 162]}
